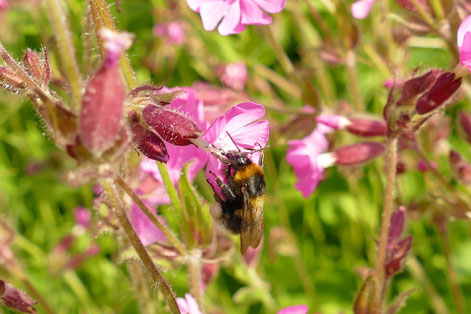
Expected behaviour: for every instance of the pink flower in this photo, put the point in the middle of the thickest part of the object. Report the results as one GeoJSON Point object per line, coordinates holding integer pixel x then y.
{"type": "Point", "coordinates": [172, 32]}
{"type": "Point", "coordinates": [361, 9]}
{"type": "Point", "coordinates": [295, 309]}
{"type": "Point", "coordinates": [3, 5]}
{"type": "Point", "coordinates": [147, 232]}
{"type": "Point", "coordinates": [188, 305]}
{"type": "Point", "coordinates": [82, 217]}
{"type": "Point", "coordinates": [303, 156]}
{"type": "Point", "coordinates": [241, 122]}
{"type": "Point", "coordinates": [234, 75]}
{"type": "Point", "coordinates": [115, 43]}
{"type": "Point", "coordinates": [234, 15]}
{"type": "Point", "coordinates": [463, 38]}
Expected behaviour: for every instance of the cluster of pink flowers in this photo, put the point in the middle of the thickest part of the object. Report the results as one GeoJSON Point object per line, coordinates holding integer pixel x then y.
{"type": "Point", "coordinates": [172, 33]}
{"type": "Point", "coordinates": [232, 16]}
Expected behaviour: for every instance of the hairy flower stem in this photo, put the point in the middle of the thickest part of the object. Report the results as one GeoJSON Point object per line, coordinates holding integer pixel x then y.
{"type": "Point", "coordinates": [102, 18]}
{"type": "Point", "coordinates": [390, 162]}
{"type": "Point", "coordinates": [194, 267]}
{"type": "Point", "coordinates": [65, 46]}
{"type": "Point", "coordinates": [455, 288]}
{"type": "Point", "coordinates": [147, 303]}
{"type": "Point", "coordinates": [117, 203]}
{"type": "Point", "coordinates": [167, 232]}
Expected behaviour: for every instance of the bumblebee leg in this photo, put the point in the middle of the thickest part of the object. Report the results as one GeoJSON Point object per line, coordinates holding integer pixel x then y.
{"type": "Point", "coordinates": [225, 189]}
{"type": "Point", "coordinates": [260, 161]}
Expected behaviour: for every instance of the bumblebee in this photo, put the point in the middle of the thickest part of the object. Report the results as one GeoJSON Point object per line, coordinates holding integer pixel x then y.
{"type": "Point", "coordinates": [241, 211]}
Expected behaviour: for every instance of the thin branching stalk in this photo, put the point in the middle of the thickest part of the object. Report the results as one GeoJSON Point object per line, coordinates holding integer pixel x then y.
{"type": "Point", "coordinates": [65, 46]}
{"type": "Point", "coordinates": [146, 300]}
{"type": "Point", "coordinates": [391, 163]}
{"type": "Point", "coordinates": [18, 273]}
{"type": "Point", "coordinates": [102, 18]}
{"type": "Point", "coordinates": [167, 232]}
{"type": "Point", "coordinates": [351, 64]}
{"type": "Point", "coordinates": [455, 288]}
{"type": "Point", "coordinates": [117, 203]}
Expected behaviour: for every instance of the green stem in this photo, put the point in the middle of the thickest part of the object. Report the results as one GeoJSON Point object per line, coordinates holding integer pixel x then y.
{"type": "Point", "coordinates": [391, 162]}
{"type": "Point", "coordinates": [455, 288]}
{"type": "Point", "coordinates": [194, 267]}
{"type": "Point", "coordinates": [285, 62]}
{"type": "Point", "coordinates": [65, 46]}
{"type": "Point", "coordinates": [171, 190]}
{"type": "Point", "coordinates": [167, 232]}
{"type": "Point", "coordinates": [154, 273]}
{"type": "Point", "coordinates": [102, 18]}
{"type": "Point", "coordinates": [350, 63]}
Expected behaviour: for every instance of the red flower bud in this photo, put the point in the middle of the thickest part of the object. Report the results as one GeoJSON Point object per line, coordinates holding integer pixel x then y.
{"type": "Point", "coordinates": [396, 256]}
{"type": "Point", "coordinates": [173, 126]}
{"type": "Point", "coordinates": [38, 68]}
{"type": "Point", "coordinates": [16, 299]}
{"type": "Point", "coordinates": [416, 86]}
{"type": "Point", "coordinates": [358, 153]}
{"type": "Point", "coordinates": [150, 144]}
{"type": "Point", "coordinates": [464, 119]}
{"type": "Point", "coordinates": [397, 224]}
{"type": "Point", "coordinates": [102, 109]}
{"type": "Point", "coordinates": [366, 127]}
{"type": "Point", "coordinates": [445, 86]}
{"type": "Point", "coordinates": [409, 6]}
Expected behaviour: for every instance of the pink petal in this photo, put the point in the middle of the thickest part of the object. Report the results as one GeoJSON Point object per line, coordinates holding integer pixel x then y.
{"type": "Point", "coordinates": [271, 6]}
{"type": "Point", "coordinates": [194, 4]}
{"type": "Point", "coordinates": [361, 9]}
{"type": "Point", "coordinates": [148, 233]}
{"type": "Point", "coordinates": [251, 14]}
{"type": "Point", "coordinates": [212, 12]}
{"type": "Point", "coordinates": [464, 28]}
{"type": "Point", "coordinates": [231, 21]}
{"type": "Point", "coordinates": [295, 309]}
{"type": "Point", "coordinates": [465, 51]}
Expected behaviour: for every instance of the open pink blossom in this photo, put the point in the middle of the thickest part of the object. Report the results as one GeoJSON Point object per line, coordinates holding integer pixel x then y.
{"type": "Point", "coordinates": [362, 8]}
{"type": "Point", "coordinates": [233, 15]}
{"type": "Point", "coordinates": [463, 38]}
{"type": "Point", "coordinates": [115, 43]}
{"type": "Point", "coordinates": [303, 156]}
{"type": "Point", "coordinates": [243, 124]}
{"type": "Point", "coordinates": [172, 33]}
{"type": "Point", "coordinates": [295, 309]}
{"type": "Point", "coordinates": [234, 75]}
{"type": "Point", "coordinates": [188, 305]}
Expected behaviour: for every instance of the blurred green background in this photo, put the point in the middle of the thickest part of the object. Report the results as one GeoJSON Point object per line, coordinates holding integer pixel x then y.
{"type": "Point", "coordinates": [334, 229]}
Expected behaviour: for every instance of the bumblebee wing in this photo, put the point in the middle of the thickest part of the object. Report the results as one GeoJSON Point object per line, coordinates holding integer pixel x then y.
{"type": "Point", "coordinates": [252, 223]}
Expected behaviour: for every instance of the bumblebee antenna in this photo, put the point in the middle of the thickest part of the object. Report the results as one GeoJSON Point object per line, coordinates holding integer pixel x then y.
{"type": "Point", "coordinates": [237, 146]}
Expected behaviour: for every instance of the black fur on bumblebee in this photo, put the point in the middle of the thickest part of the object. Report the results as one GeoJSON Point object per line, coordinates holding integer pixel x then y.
{"type": "Point", "coordinates": [241, 209]}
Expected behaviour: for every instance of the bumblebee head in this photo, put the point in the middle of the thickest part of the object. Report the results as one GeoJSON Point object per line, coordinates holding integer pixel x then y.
{"type": "Point", "coordinates": [237, 159]}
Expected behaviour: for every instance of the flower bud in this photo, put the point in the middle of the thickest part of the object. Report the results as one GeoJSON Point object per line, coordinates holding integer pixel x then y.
{"type": "Point", "coordinates": [10, 80]}
{"type": "Point", "coordinates": [38, 68]}
{"type": "Point", "coordinates": [102, 109]}
{"type": "Point", "coordinates": [464, 119]}
{"type": "Point", "coordinates": [172, 125]}
{"type": "Point", "coordinates": [82, 217]}
{"type": "Point", "coordinates": [358, 153]}
{"type": "Point", "coordinates": [445, 86]}
{"type": "Point", "coordinates": [150, 144]}
{"type": "Point", "coordinates": [416, 86]}
{"type": "Point", "coordinates": [396, 256]}
{"type": "Point", "coordinates": [366, 127]}
{"type": "Point", "coordinates": [15, 299]}
{"type": "Point", "coordinates": [366, 302]}
{"type": "Point", "coordinates": [397, 224]}
{"type": "Point", "coordinates": [409, 6]}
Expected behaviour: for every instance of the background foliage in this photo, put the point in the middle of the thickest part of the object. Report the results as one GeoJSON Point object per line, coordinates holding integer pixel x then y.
{"type": "Point", "coordinates": [334, 229]}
